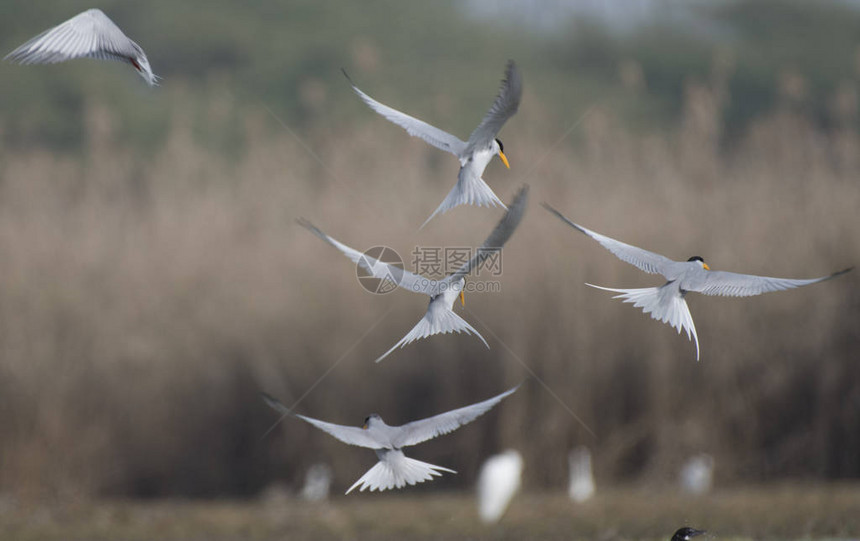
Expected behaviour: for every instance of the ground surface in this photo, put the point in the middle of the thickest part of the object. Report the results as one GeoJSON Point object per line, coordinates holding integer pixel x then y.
{"type": "Point", "coordinates": [776, 513]}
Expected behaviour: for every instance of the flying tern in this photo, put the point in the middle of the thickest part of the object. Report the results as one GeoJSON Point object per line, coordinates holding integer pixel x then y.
{"type": "Point", "coordinates": [395, 469]}
{"type": "Point", "coordinates": [88, 34]}
{"type": "Point", "coordinates": [440, 316]}
{"type": "Point", "coordinates": [474, 154]}
{"type": "Point", "coordinates": [666, 303]}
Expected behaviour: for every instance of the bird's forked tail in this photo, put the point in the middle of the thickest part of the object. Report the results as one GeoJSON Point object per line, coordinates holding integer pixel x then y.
{"type": "Point", "coordinates": [396, 470]}
{"type": "Point", "coordinates": [469, 190]}
{"type": "Point", "coordinates": [435, 322]}
{"type": "Point", "coordinates": [663, 303]}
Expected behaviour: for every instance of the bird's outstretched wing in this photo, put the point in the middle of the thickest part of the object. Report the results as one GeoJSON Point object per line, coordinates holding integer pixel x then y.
{"type": "Point", "coordinates": [88, 34]}
{"type": "Point", "coordinates": [643, 259]}
{"type": "Point", "coordinates": [417, 128]}
{"type": "Point", "coordinates": [275, 404]}
{"type": "Point", "coordinates": [497, 239]}
{"type": "Point", "coordinates": [504, 107]}
{"type": "Point", "coordinates": [418, 431]}
{"type": "Point", "coordinates": [731, 284]}
{"type": "Point", "coordinates": [378, 269]}
{"type": "Point", "coordinates": [351, 435]}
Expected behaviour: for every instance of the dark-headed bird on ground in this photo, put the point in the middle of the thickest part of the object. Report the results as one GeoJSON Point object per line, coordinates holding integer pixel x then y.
{"type": "Point", "coordinates": [686, 534]}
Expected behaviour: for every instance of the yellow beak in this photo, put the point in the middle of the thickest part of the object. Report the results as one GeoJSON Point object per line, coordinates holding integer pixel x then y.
{"type": "Point", "coordinates": [504, 159]}
{"type": "Point", "coordinates": [462, 299]}
{"type": "Point", "coordinates": [705, 266]}
{"type": "Point", "coordinates": [364, 426]}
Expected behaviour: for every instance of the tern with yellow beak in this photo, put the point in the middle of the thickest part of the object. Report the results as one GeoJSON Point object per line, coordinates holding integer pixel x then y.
{"type": "Point", "coordinates": [474, 154]}
{"type": "Point", "coordinates": [394, 469]}
{"type": "Point", "coordinates": [666, 303]}
{"type": "Point", "coordinates": [440, 317]}
{"type": "Point", "coordinates": [88, 34]}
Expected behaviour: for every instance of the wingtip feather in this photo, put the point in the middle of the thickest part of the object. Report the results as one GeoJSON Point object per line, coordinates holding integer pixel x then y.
{"type": "Point", "coordinates": [274, 403]}
{"type": "Point", "coordinates": [843, 271]}
{"type": "Point", "coordinates": [564, 218]}
{"type": "Point", "coordinates": [312, 228]}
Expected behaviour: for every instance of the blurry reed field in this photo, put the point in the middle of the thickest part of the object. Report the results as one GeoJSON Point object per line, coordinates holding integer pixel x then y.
{"type": "Point", "coordinates": [146, 298]}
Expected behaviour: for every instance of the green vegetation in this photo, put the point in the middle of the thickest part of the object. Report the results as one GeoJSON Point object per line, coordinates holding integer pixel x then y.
{"type": "Point", "coordinates": [289, 55]}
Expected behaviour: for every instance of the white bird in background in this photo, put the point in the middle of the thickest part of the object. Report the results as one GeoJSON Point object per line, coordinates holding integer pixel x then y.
{"type": "Point", "coordinates": [666, 302]}
{"type": "Point", "coordinates": [89, 34]}
{"type": "Point", "coordinates": [395, 469]}
{"type": "Point", "coordinates": [474, 154]}
{"type": "Point", "coordinates": [498, 482]}
{"type": "Point", "coordinates": [697, 474]}
{"type": "Point", "coordinates": [317, 483]}
{"type": "Point", "coordinates": [440, 316]}
{"type": "Point", "coordinates": [581, 482]}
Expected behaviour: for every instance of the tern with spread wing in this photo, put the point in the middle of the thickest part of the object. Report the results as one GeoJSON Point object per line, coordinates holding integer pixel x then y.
{"type": "Point", "coordinates": [395, 469]}
{"type": "Point", "coordinates": [666, 303]}
{"type": "Point", "coordinates": [89, 34]}
{"type": "Point", "coordinates": [440, 316]}
{"type": "Point", "coordinates": [474, 154]}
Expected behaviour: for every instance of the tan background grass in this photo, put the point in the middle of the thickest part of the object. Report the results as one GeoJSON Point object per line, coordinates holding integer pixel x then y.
{"type": "Point", "coordinates": [146, 299]}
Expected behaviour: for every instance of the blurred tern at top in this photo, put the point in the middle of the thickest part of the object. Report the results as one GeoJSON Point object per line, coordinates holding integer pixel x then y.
{"type": "Point", "coordinates": [89, 34]}
{"type": "Point", "coordinates": [474, 154]}
{"type": "Point", "coordinates": [395, 469]}
{"type": "Point", "coordinates": [440, 317]}
{"type": "Point", "coordinates": [666, 303]}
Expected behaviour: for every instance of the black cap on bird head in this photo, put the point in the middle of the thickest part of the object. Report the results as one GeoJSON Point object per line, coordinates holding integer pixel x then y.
{"type": "Point", "coordinates": [700, 260]}
{"type": "Point", "coordinates": [686, 533]}
{"type": "Point", "coordinates": [367, 420]}
{"type": "Point", "coordinates": [502, 153]}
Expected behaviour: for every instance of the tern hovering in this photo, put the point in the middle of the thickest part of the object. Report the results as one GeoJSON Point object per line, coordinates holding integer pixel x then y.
{"type": "Point", "coordinates": [89, 34]}
{"type": "Point", "coordinates": [474, 154]}
{"type": "Point", "coordinates": [395, 469]}
{"type": "Point", "coordinates": [440, 316]}
{"type": "Point", "coordinates": [666, 302]}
